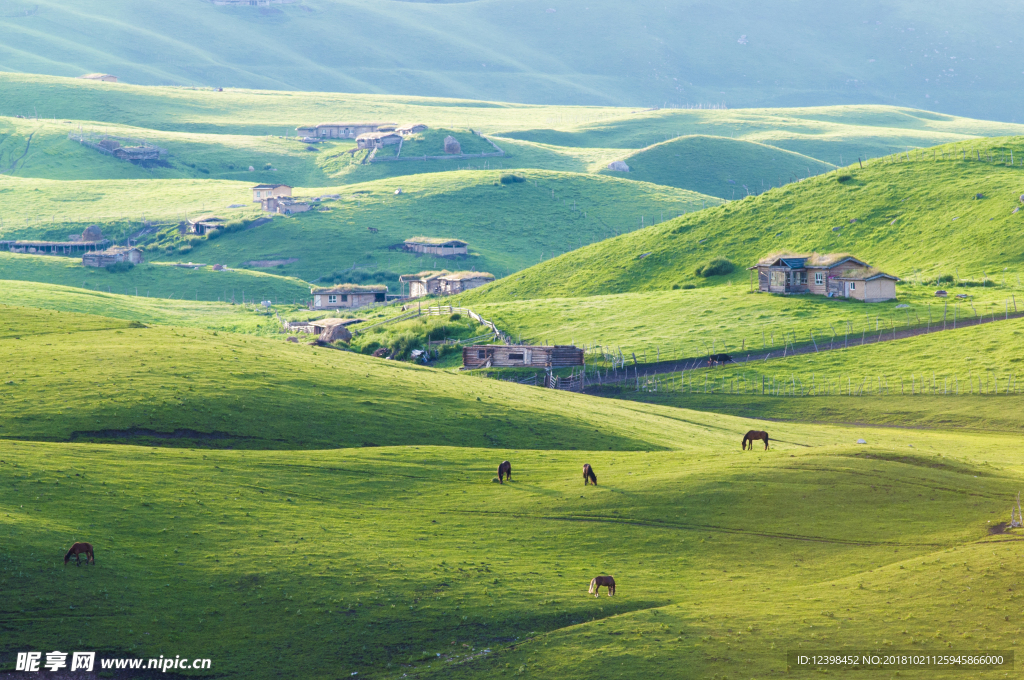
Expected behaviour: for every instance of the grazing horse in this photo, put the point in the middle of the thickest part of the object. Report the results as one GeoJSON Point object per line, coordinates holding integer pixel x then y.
{"type": "Point", "coordinates": [77, 549]}
{"type": "Point", "coordinates": [504, 470]}
{"type": "Point", "coordinates": [752, 436]}
{"type": "Point", "coordinates": [598, 581]}
{"type": "Point", "coordinates": [588, 475]}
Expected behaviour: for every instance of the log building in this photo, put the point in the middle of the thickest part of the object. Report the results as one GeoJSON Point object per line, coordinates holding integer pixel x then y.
{"type": "Point", "coordinates": [519, 356]}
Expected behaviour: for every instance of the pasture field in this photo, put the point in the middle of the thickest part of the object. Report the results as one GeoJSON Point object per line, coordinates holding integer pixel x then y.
{"type": "Point", "coordinates": [673, 324]}
{"type": "Point", "coordinates": [155, 279]}
{"type": "Point", "coordinates": [397, 562]}
{"type": "Point", "coordinates": [949, 210]}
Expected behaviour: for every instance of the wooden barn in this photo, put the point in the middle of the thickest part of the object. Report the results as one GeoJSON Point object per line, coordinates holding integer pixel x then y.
{"type": "Point", "coordinates": [519, 356]}
{"type": "Point", "coordinates": [443, 247]}
{"type": "Point", "coordinates": [444, 282]}
{"type": "Point", "coordinates": [262, 191]}
{"type": "Point", "coordinates": [340, 130]}
{"type": "Point", "coordinates": [112, 255]}
{"type": "Point", "coordinates": [347, 296]}
{"type": "Point", "coordinates": [831, 274]}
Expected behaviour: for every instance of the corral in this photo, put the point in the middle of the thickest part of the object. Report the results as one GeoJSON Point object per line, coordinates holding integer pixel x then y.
{"type": "Point", "coordinates": [122, 148]}
{"type": "Point", "coordinates": [443, 247]}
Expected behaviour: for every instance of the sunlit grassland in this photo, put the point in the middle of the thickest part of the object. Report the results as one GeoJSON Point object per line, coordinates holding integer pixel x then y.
{"type": "Point", "coordinates": [393, 561]}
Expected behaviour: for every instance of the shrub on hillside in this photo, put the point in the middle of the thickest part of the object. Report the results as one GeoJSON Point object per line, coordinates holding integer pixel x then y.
{"type": "Point", "coordinates": [716, 267]}
{"type": "Point", "coordinates": [512, 179]}
{"type": "Point", "coordinates": [946, 278]}
{"type": "Point", "coordinates": [844, 178]}
{"type": "Point", "coordinates": [120, 267]}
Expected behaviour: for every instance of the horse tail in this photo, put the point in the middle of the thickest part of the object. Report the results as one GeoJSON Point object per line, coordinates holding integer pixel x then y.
{"type": "Point", "coordinates": [593, 582]}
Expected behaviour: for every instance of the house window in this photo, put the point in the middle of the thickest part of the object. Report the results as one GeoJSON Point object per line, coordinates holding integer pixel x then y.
{"type": "Point", "coordinates": [515, 357]}
{"type": "Point", "coordinates": [819, 278]}
{"type": "Point", "coordinates": [803, 278]}
{"type": "Point", "coordinates": [331, 299]}
{"type": "Point", "coordinates": [853, 285]}
{"type": "Point", "coordinates": [344, 298]}
{"type": "Point", "coordinates": [481, 354]}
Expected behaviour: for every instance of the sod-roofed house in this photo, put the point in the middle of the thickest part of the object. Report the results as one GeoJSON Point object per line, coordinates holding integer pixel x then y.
{"type": "Point", "coordinates": [263, 191]}
{"type": "Point", "coordinates": [204, 224]}
{"type": "Point", "coordinates": [375, 140]}
{"type": "Point", "coordinates": [444, 247]}
{"type": "Point", "coordinates": [512, 356]}
{"type": "Point", "coordinates": [831, 274]}
{"type": "Point", "coordinates": [347, 296]}
{"type": "Point", "coordinates": [112, 255]}
{"type": "Point", "coordinates": [340, 130]}
{"type": "Point", "coordinates": [444, 282]}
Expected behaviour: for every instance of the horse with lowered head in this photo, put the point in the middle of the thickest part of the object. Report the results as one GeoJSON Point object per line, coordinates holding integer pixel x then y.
{"type": "Point", "coordinates": [78, 549]}
{"type": "Point", "coordinates": [588, 475]}
{"type": "Point", "coordinates": [598, 581]}
{"type": "Point", "coordinates": [755, 435]}
{"type": "Point", "coordinates": [504, 470]}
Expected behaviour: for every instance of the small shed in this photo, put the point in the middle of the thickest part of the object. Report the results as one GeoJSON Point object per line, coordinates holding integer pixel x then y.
{"type": "Point", "coordinates": [443, 247]}
{"type": "Point", "coordinates": [112, 255]}
{"type": "Point", "coordinates": [203, 224]}
{"type": "Point", "coordinates": [262, 191]}
{"type": "Point", "coordinates": [867, 285]}
{"type": "Point", "coordinates": [283, 205]}
{"type": "Point", "coordinates": [102, 77]}
{"type": "Point", "coordinates": [412, 129]}
{"type": "Point", "coordinates": [347, 296]}
{"type": "Point", "coordinates": [423, 283]}
{"type": "Point", "coordinates": [375, 140]}
{"type": "Point", "coordinates": [518, 356]}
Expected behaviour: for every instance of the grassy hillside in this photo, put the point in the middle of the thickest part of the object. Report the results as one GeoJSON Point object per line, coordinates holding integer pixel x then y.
{"type": "Point", "coordinates": [176, 386]}
{"type": "Point", "coordinates": [914, 215]}
{"type": "Point", "coordinates": [585, 52]}
{"type": "Point", "coordinates": [718, 166]}
{"type": "Point", "coordinates": [416, 563]}
{"type": "Point", "coordinates": [508, 226]}
{"type": "Point", "coordinates": [156, 279]}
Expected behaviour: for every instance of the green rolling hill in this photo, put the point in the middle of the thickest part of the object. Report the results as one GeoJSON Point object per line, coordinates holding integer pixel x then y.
{"type": "Point", "coordinates": [576, 52]}
{"type": "Point", "coordinates": [916, 215]}
{"type": "Point", "coordinates": [718, 166]}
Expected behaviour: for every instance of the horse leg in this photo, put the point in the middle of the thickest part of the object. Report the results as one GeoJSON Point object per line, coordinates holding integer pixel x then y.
{"type": "Point", "coordinates": [765, 444]}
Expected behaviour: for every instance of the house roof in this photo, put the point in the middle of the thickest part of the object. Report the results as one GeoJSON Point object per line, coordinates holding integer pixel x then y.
{"type": "Point", "coordinates": [801, 260]}
{"type": "Point", "coordinates": [432, 241]}
{"type": "Point", "coordinates": [411, 126]}
{"type": "Point", "coordinates": [375, 124]}
{"type": "Point", "coordinates": [422, 276]}
{"type": "Point", "coordinates": [463, 276]}
{"type": "Point", "coordinates": [206, 218]}
{"type": "Point", "coordinates": [864, 275]}
{"type": "Point", "coordinates": [349, 288]}
{"type": "Point", "coordinates": [377, 135]}
{"type": "Point", "coordinates": [270, 186]}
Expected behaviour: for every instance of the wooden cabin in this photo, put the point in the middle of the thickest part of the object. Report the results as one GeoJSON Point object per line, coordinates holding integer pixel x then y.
{"type": "Point", "coordinates": [443, 247]}
{"type": "Point", "coordinates": [112, 255]}
{"type": "Point", "coordinates": [347, 296]}
{"type": "Point", "coordinates": [831, 274]}
{"type": "Point", "coordinates": [444, 282]}
{"type": "Point", "coordinates": [519, 356]}
{"type": "Point", "coordinates": [340, 130]}
{"type": "Point", "coordinates": [262, 191]}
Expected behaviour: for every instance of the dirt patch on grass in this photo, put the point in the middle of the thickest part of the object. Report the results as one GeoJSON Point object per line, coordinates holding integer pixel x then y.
{"type": "Point", "coordinates": [998, 528]}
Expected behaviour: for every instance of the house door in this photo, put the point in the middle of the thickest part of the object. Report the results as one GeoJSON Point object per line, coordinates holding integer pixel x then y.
{"type": "Point", "coordinates": [317, 302]}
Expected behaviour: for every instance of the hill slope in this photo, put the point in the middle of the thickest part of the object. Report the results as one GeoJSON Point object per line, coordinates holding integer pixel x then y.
{"type": "Point", "coordinates": [584, 52]}
{"type": "Point", "coordinates": [718, 166]}
{"type": "Point", "coordinates": [912, 215]}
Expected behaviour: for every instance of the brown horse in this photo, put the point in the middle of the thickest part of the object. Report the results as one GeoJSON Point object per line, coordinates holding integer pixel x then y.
{"type": "Point", "coordinates": [77, 549]}
{"type": "Point", "coordinates": [755, 435]}
{"type": "Point", "coordinates": [504, 470]}
{"type": "Point", "coordinates": [588, 475]}
{"type": "Point", "coordinates": [598, 581]}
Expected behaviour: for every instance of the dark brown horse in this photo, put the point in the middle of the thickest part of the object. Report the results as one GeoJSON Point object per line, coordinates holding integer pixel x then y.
{"type": "Point", "coordinates": [598, 581]}
{"type": "Point", "coordinates": [755, 435]}
{"type": "Point", "coordinates": [77, 549]}
{"type": "Point", "coordinates": [588, 475]}
{"type": "Point", "coordinates": [504, 470]}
